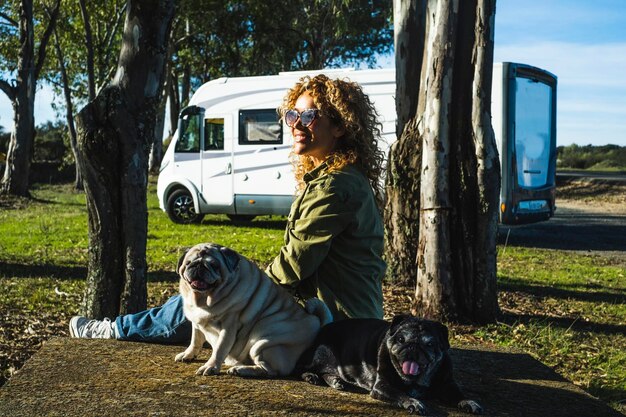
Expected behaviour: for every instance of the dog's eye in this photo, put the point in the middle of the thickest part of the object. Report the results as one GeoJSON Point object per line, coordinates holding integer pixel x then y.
{"type": "Point", "coordinates": [401, 339]}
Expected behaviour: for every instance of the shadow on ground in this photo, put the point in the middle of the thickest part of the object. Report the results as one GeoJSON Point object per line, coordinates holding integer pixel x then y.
{"type": "Point", "coordinates": [570, 229]}
{"type": "Point", "coordinates": [17, 270]}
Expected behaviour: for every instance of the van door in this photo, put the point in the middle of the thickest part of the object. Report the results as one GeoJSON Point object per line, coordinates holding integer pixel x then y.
{"type": "Point", "coordinates": [188, 144]}
{"type": "Point", "coordinates": [217, 163]}
{"type": "Point", "coordinates": [533, 132]}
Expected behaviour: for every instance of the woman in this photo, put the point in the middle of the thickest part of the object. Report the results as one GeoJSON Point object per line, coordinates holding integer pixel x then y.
{"type": "Point", "coordinates": [334, 236]}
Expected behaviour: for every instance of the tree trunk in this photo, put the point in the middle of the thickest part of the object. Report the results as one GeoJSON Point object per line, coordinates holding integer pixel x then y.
{"type": "Point", "coordinates": [20, 150]}
{"type": "Point", "coordinates": [485, 301]}
{"type": "Point", "coordinates": [458, 181]}
{"type": "Point", "coordinates": [173, 101]}
{"type": "Point", "coordinates": [115, 132]}
{"type": "Point", "coordinates": [22, 96]}
{"type": "Point", "coordinates": [19, 153]}
{"type": "Point", "coordinates": [185, 88]}
{"type": "Point", "coordinates": [434, 295]}
{"type": "Point", "coordinates": [403, 179]}
{"type": "Point", "coordinates": [156, 150]}
{"type": "Point", "coordinates": [409, 27]}
{"type": "Point", "coordinates": [69, 112]}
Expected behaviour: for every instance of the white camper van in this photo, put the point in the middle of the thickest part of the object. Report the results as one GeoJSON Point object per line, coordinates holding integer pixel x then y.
{"type": "Point", "coordinates": [230, 153]}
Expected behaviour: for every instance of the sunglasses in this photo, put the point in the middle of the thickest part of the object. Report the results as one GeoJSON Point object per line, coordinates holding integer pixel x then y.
{"type": "Point", "coordinates": [306, 117]}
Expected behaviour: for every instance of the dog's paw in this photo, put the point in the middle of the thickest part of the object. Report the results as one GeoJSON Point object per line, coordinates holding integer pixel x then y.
{"type": "Point", "coordinates": [335, 382]}
{"type": "Point", "coordinates": [207, 370]}
{"type": "Point", "coordinates": [470, 406]}
{"type": "Point", "coordinates": [414, 406]}
{"type": "Point", "coordinates": [184, 357]}
{"type": "Point", "coordinates": [311, 378]}
{"type": "Point", "coordinates": [249, 371]}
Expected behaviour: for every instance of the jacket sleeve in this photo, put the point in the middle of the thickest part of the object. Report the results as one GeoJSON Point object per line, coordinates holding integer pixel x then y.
{"type": "Point", "coordinates": [323, 215]}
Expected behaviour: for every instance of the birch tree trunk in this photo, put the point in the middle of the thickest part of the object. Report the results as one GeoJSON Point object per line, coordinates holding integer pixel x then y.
{"type": "Point", "coordinates": [434, 291]}
{"type": "Point", "coordinates": [459, 174]}
{"type": "Point", "coordinates": [115, 132]}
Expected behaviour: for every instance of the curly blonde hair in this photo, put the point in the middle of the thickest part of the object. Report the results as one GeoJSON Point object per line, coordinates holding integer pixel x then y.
{"type": "Point", "coordinates": [347, 106]}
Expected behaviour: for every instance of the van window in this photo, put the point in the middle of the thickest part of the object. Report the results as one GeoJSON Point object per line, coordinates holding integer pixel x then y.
{"type": "Point", "coordinates": [189, 139]}
{"type": "Point", "coordinates": [213, 134]}
{"type": "Point", "coordinates": [259, 127]}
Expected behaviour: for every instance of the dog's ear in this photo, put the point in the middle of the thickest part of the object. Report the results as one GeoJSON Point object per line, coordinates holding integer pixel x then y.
{"type": "Point", "coordinates": [398, 320]}
{"type": "Point", "coordinates": [231, 257]}
{"type": "Point", "coordinates": [180, 260]}
{"type": "Point", "coordinates": [442, 333]}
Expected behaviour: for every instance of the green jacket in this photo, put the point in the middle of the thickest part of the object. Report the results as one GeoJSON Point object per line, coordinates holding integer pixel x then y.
{"type": "Point", "coordinates": [333, 244]}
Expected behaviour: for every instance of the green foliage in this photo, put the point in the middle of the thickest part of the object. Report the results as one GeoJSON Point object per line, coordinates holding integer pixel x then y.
{"type": "Point", "coordinates": [214, 38]}
{"type": "Point", "coordinates": [9, 36]}
{"type": "Point", "coordinates": [607, 157]}
{"type": "Point", "coordinates": [107, 21]}
{"type": "Point", "coordinates": [50, 142]}
{"type": "Point", "coordinates": [9, 33]}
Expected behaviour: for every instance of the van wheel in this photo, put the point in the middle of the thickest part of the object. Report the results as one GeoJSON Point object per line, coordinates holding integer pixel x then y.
{"type": "Point", "coordinates": [180, 208]}
{"type": "Point", "coordinates": [241, 218]}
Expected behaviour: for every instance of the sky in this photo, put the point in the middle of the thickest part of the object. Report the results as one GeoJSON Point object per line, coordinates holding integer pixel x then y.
{"type": "Point", "coordinates": [582, 42]}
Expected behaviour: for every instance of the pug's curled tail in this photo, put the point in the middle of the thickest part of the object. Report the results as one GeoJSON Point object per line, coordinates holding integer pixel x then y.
{"type": "Point", "coordinates": [318, 308]}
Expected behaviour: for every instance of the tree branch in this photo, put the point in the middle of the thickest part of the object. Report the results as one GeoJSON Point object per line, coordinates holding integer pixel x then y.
{"type": "Point", "coordinates": [9, 20]}
{"type": "Point", "coordinates": [8, 90]}
{"type": "Point", "coordinates": [41, 55]}
{"type": "Point", "coordinates": [89, 44]}
{"type": "Point", "coordinates": [111, 31]}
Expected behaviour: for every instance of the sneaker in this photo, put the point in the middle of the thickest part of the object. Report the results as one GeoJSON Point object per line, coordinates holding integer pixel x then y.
{"type": "Point", "coordinates": [84, 328]}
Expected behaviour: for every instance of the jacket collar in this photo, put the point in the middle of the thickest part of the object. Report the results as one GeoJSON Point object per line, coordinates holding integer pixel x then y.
{"type": "Point", "coordinates": [315, 172]}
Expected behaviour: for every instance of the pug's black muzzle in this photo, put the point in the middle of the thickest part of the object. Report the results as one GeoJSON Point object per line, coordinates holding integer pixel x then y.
{"type": "Point", "coordinates": [203, 274]}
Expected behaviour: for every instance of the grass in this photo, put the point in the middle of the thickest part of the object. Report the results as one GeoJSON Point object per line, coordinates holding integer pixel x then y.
{"type": "Point", "coordinates": [566, 310]}
{"type": "Point", "coordinates": [53, 229]}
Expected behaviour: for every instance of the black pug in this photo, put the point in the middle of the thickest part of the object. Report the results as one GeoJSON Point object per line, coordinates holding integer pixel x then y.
{"type": "Point", "coordinates": [401, 362]}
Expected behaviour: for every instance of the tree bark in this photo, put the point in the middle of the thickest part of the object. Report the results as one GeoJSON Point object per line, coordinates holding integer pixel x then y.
{"type": "Point", "coordinates": [485, 301]}
{"type": "Point", "coordinates": [455, 153]}
{"type": "Point", "coordinates": [434, 292]}
{"type": "Point", "coordinates": [402, 187]}
{"type": "Point", "coordinates": [22, 96]}
{"type": "Point", "coordinates": [115, 132]}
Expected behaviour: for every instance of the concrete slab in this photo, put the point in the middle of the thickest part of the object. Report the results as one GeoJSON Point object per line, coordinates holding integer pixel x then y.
{"type": "Point", "coordinates": [70, 377]}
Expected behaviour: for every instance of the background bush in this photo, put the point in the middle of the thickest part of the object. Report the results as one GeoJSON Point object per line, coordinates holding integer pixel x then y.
{"type": "Point", "coordinates": [611, 157]}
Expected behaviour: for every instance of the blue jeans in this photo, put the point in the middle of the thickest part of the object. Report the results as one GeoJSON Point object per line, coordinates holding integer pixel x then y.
{"type": "Point", "coordinates": [164, 324]}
